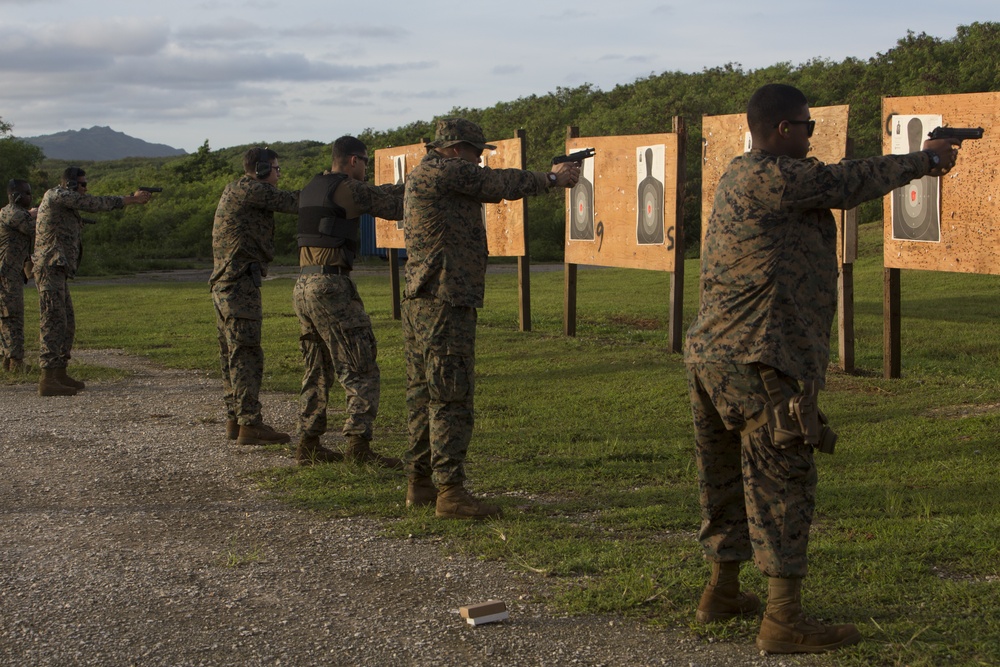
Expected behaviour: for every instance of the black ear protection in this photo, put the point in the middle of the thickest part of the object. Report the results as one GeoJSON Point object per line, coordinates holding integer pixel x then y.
{"type": "Point", "coordinates": [263, 169]}
{"type": "Point", "coordinates": [72, 185]}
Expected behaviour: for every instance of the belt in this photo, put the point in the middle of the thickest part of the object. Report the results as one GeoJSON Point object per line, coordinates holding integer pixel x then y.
{"type": "Point", "coordinates": [326, 269]}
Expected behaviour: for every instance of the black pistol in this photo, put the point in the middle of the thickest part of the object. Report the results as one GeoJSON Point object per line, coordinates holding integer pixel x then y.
{"type": "Point", "coordinates": [146, 188]}
{"type": "Point", "coordinates": [958, 134]}
{"type": "Point", "coordinates": [578, 156]}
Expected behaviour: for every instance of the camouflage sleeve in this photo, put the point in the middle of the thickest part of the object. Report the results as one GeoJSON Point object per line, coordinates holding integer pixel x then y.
{"type": "Point", "coordinates": [810, 184]}
{"type": "Point", "coordinates": [493, 185]}
{"type": "Point", "coordinates": [80, 201]}
{"type": "Point", "coordinates": [20, 221]}
{"type": "Point", "coordinates": [270, 198]}
{"type": "Point", "coordinates": [383, 201]}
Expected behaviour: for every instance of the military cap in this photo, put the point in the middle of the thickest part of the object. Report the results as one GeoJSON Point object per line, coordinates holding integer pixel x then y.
{"type": "Point", "coordinates": [451, 131]}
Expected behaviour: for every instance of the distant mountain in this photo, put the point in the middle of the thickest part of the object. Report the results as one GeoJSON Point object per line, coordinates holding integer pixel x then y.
{"type": "Point", "coordinates": [98, 143]}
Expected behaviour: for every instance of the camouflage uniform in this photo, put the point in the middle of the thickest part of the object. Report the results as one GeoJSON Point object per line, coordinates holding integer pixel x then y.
{"type": "Point", "coordinates": [445, 282]}
{"type": "Point", "coordinates": [337, 341]}
{"type": "Point", "coordinates": [17, 233]}
{"type": "Point", "coordinates": [242, 246]}
{"type": "Point", "coordinates": [58, 245]}
{"type": "Point", "coordinates": [768, 297]}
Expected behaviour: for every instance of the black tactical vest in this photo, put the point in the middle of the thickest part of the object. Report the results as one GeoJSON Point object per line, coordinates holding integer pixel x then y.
{"type": "Point", "coordinates": [321, 222]}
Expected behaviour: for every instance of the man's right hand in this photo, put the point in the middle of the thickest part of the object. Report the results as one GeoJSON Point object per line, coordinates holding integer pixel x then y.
{"type": "Point", "coordinates": [567, 174]}
{"type": "Point", "coordinates": [947, 152]}
{"type": "Point", "coordinates": [138, 197]}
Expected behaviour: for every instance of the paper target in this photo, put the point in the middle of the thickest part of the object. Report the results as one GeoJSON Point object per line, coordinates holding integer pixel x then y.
{"type": "Point", "coordinates": [399, 177]}
{"type": "Point", "coordinates": [649, 204]}
{"type": "Point", "coordinates": [915, 206]}
{"type": "Point", "coordinates": [581, 199]}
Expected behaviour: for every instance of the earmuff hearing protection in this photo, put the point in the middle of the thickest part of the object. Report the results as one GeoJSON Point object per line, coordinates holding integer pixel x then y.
{"type": "Point", "coordinates": [263, 169]}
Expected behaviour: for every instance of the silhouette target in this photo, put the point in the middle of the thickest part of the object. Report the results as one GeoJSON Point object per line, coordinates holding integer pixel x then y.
{"type": "Point", "coordinates": [649, 223]}
{"type": "Point", "coordinates": [915, 204]}
{"type": "Point", "coordinates": [399, 168]}
{"type": "Point", "coordinates": [581, 197]}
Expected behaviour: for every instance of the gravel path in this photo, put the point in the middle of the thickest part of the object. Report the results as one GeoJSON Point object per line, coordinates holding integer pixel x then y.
{"type": "Point", "coordinates": [122, 507]}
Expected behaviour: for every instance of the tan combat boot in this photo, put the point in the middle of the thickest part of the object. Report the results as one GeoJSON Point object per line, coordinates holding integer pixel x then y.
{"type": "Point", "coordinates": [421, 492]}
{"type": "Point", "coordinates": [359, 450]}
{"type": "Point", "coordinates": [261, 434]}
{"type": "Point", "coordinates": [49, 385]}
{"type": "Point", "coordinates": [722, 598]}
{"type": "Point", "coordinates": [68, 381]}
{"type": "Point", "coordinates": [232, 429]}
{"type": "Point", "coordinates": [310, 452]}
{"type": "Point", "coordinates": [454, 502]}
{"type": "Point", "coordinates": [786, 629]}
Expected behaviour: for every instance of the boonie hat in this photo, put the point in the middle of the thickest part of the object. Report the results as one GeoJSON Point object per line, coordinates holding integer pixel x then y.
{"type": "Point", "coordinates": [451, 131]}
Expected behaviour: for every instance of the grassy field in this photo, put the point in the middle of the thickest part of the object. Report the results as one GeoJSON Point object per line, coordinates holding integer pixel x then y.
{"type": "Point", "coordinates": [587, 444]}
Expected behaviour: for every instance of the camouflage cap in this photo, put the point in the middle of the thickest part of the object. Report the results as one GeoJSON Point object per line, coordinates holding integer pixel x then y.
{"type": "Point", "coordinates": [451, 131]}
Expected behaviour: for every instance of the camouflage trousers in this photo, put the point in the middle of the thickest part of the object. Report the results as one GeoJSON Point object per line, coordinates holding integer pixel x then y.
{"type": "Point", "coordinates": [56, 318]}
{"type": "Point", "coordinates": [12, 316]}
{"type": "Point", "coordinates": [440, 346]}
{"type": "Point", "coordinates": [337, 344]}
{"type": "Point", "coordinates": [238, 315]}
{"type": "Point", "coordinates": [757, 499]}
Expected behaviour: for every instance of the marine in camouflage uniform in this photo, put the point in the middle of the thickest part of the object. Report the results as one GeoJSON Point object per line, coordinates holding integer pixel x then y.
{"type": "Point", "coordinates": [337, 341]}
{"type": "Point", "coordinates": [242, 247]}
{"type": "Point", "coordinates": [17, 234]}
{"type": "Point", "coordinates": [445, 283]}
{"type": "Point", "coordinates": [58, 248]}
{"type": "Point", "coordinates": [768, 298]}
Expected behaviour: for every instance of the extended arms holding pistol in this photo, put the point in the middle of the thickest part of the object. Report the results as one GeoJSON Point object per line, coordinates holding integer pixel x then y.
{"type": "Point", "coordinates": [566, 168]}
{"type": "Point", "coordinates": [142, 195]}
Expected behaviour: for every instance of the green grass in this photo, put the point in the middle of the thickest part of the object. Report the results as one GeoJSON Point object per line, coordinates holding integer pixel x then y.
{"type": "Point", "coordinates": [587, 444]}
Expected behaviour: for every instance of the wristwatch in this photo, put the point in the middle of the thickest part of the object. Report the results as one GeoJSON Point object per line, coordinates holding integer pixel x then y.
{"type": "Point", "coordinates": [934, 158]}
{"type": "Point", "coordinates": [552, 179]}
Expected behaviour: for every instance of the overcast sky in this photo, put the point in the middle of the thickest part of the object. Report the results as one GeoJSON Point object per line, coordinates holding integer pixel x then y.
{"type": "Point", "coordinates": [179, 72]}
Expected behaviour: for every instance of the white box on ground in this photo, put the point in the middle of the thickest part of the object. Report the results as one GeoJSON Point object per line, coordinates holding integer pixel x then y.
{"type": "Point", "coordinates": [484, 612]}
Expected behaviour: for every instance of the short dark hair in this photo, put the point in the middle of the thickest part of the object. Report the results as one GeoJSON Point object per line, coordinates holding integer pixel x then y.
{"type": "Point", "coordinates": [72, 174]}
{"type": "Point", "coordinates": [16, 185]}
{"type": "Point", "coordinates": [255, 155]}
{"type": "Point", "coordinates": [771, 104]}
{"type": "Point", "coordinates": [346, 146]}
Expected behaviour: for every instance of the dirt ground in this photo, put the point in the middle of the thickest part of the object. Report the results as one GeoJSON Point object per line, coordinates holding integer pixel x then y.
{"type": "Point", "coordinates": [130, 534]}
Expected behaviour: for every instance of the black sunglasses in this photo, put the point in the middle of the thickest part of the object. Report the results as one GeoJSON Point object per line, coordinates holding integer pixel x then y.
{"type": "Point", "coordinates": [361, 157]}
{"type": "Point", "coordinates": [810, 125]}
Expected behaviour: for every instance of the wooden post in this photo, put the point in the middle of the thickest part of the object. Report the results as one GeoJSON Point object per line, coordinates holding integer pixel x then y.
{"type": "Point", "coordinates": [394, 282]}
{"type": "Point", "coordinates": [524, 262]}
{"type": "Point", "coordinates": [845, 280]}
{"type": "Point", "coordinates": [891, 325]}
{"type": "Point", "coordinates": [676, 321]}
{"type": "Point", "coordinates": [845, 316]}
{"type": "Point", "coordinates": [569, 311]}
{"type": "Point", "coordinates": [569, 298]}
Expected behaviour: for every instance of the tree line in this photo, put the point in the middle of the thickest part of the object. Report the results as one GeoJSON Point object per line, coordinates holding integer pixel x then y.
{"type": "Point", "coordinates": [176, 227]}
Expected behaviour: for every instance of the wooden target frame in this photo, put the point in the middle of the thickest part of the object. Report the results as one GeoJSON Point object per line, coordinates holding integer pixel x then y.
{"type": "Point", "coordinates": [969, 203]}
{"type": "Point", "coordinates": [506, 222]}
{"type": "Point", "coordinates": [726, 137]}
{"type": "Point", "coordinates": [619, 235]}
